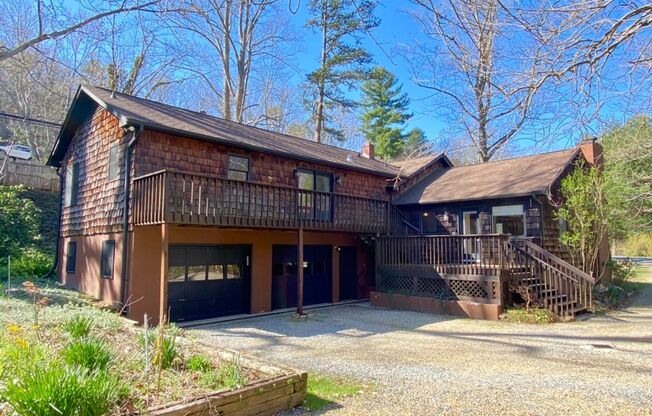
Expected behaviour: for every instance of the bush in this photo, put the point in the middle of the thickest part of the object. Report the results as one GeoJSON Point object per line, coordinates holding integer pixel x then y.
{"type": "Point", "coordinates": [89, 353]}
{"type": "Point", "coordinates": [19, 221]}
{"type": "Point", "coordinates": [621, 271]}
{"type": "Point", "coordinates": [79, 326]}
{"type": "Point", "coordinates": [166, 351]}
{"type": "Point", "coordinates": [27, 264]}
{"type": "Point", "coordinates": [199, 363]}
{"type": "Point", "coordinates": [56, 389]}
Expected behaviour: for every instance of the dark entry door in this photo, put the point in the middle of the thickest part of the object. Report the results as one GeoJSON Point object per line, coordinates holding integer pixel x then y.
{"type": "Point", "coordinates": [348, 273]}
{"type": "Point", "coordinates": [317, 275]}
{"type": "Point", "coordinates": [208, 281]}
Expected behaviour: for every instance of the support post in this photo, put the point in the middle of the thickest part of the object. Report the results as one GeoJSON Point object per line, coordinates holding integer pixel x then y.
{"type": "Point", "coordinates": [163, 291]}
{"type": "Point", "coordinates": [300, 273]}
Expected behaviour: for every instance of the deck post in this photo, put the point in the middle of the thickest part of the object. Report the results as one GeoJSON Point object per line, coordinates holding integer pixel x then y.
{"type": "Point", "coordinates": [300, 273]}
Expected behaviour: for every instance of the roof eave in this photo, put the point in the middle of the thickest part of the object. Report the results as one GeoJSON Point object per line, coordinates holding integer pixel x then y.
{"type": "Point", "coordinates": [454, 201]}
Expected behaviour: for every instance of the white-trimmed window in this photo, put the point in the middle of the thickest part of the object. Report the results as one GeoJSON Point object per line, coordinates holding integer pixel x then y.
{"type": "Point", "coordinates": [508, 219]}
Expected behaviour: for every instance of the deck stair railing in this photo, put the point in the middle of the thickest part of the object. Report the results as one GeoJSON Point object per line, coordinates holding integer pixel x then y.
{"type": "Point", "coordinates": [549, 280]}
{"type": "Point", "coordinates": [399, 224]}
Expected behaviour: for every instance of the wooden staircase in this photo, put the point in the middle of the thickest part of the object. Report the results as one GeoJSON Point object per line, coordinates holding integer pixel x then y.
{"type": "Point", "coordinates": [545, 279]}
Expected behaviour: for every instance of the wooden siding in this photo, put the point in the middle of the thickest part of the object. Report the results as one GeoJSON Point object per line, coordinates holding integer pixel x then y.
{"type": "Point", "coordinates": [100, 202]}
{"type": "Point", "coordinates": [156, 151]}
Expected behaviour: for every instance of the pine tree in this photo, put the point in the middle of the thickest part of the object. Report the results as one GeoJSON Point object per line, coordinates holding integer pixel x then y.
{"type": "Point", "coordinates": [343, 62]}
{"type": "Point", "coordinates": [415, 143]}
{"type": "Point", "coordinates": [385, 113]}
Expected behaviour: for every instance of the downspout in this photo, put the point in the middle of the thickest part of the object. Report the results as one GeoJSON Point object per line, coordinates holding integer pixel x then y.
{"type": "Point", "coordinates": [135, 133]}
{"type": "Point", "coordinates": [57, 243]}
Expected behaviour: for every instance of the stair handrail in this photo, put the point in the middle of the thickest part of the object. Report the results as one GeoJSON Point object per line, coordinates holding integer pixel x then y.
{"type": "Point", "coordinates": [543, 263]}
{"type": "Point", "coordinates": [581, 274]}
{"type": "Point", "coordinates": [402, 217]}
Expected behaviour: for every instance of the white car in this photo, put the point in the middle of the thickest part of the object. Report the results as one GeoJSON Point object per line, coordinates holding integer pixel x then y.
{"type": "Point", "coordinates": [16, 151]}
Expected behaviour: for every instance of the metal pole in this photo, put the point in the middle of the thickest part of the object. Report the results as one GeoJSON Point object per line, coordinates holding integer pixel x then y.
{"type": "Point", "coordinates": [300, 274]}
{"type": "Point", "coordinates": [9, 275]}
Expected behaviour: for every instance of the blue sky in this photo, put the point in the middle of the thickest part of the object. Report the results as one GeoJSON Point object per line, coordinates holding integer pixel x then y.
{"type": "Point", "coordinates": [396, 28]}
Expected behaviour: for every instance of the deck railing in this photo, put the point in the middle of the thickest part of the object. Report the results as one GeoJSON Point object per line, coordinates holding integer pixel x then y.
{"type": "Point", "coordinates": [560, 286]}
{"type": "Point", "coordinates": [185, 198]}
{"type": "Point", "coordinates": [463, 267]}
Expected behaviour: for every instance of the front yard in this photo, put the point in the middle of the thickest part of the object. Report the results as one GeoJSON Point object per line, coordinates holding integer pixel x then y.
{"type": "Point", "coordinates": [60, 354]}
{"type": "Point", "coordinates": [436, 364]}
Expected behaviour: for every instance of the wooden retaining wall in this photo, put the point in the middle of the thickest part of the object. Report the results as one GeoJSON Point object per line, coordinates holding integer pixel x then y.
{"type": "Point", "coordinates": [284, 389]}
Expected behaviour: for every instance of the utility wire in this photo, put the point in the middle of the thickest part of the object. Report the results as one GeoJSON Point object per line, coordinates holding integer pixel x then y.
{"type": "Point", "coordinates": [28, 119]}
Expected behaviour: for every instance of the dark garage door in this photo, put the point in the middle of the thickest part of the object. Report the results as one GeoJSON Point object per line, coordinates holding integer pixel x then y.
{"type": "Point", "coordinates": [317, 275]}
{"type": "Point", "coordinates": [208, 281]}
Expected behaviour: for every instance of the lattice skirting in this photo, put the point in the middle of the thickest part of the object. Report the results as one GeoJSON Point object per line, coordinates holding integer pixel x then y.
{"type": "Point", "coordinates": [472, 288]}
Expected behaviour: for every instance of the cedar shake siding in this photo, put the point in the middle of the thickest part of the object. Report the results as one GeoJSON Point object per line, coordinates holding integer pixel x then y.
{"type": "Point", "coordinates": [156, 151]}
{"type": "Point", "coordinates": [98, 206]}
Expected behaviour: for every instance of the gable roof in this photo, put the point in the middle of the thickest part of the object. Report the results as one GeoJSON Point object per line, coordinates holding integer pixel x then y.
{"type": "Point", "coordinates": [500, 179]}
{"type": "Point", "coordinates": [409, 167]}
{"type": "Point", "coordinates": [166, 118]}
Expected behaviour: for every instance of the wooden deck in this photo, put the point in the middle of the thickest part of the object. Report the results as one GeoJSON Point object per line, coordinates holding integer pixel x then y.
{"type": "Point", "coordinates": [175, 197]}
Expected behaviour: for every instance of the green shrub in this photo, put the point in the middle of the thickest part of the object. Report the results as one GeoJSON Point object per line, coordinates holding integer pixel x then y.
{"type": "Point", "coordinates": [79, 326]}
{"type": "Point", "coordinates": [199, 363]}
{"type": "Point", "coordinates": [533, 316]}
{"type": "Point", "coordinates": [167, 351]}
{"type": "Point", "coordinates": [621, 271]}
{"type": "Point", "coordinates": [19, 221]}
{"type": "Point", "coordinates": [56, 389]}
{"type": "Point", "coordinates": [28, 263]}
{"type": "Point", "coordinates": [89, 353]}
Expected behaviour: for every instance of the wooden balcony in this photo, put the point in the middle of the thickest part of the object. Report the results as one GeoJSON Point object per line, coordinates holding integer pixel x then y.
{"type": "Point", "coordinates": [175, 197]}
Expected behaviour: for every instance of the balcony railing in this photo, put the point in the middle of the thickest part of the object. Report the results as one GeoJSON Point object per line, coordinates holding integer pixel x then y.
{"type": "Point", "coordinates": [175, 197]}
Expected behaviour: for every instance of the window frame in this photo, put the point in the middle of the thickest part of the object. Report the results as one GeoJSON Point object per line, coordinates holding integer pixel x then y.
{"type": "Point", "coordinates": [71, 266]}
{"type": "Point", "coordinates": [113, 175]}
{"type": "Point", "coordinates": [307, 202]}
{"type": "Point", "coordinates": [229, 170]}
{"type": "Point", "coordinates": [105, 257]}
{"type": "Point", "coordinates": [493, 216]}
{"type": "Point", "coordinates": [71, 194]}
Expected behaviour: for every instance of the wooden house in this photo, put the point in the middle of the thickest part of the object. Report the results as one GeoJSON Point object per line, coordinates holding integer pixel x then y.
{"type": "Point", "coordinates": [170, 212]}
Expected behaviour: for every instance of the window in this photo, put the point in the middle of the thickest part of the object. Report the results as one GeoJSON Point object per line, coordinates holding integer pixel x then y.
{"type": "Point", "coordinates": [508, 219]}
{"type": "Point", "coordinates": [114, 168]}
{"type": "Point", "coordinates": [72, 184]}
{"type": "Point", "coordinates": [238, 168]}
{"type": "Point", "coordinates": [71, 256]}
{"type": "Point", "coordinates": [315, 205]}
{"type": "Point", "coordinates": [106, 265]}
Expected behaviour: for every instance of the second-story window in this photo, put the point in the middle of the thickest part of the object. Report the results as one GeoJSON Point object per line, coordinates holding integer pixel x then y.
{"type": "Point", "coordinates": [114, 168]}
{"type": "Point", "coordinates": [238, 168]}
{"type": "Point", "coordinates": [316, 205]}
{"type": "Point", "coordinates": [72, 184]}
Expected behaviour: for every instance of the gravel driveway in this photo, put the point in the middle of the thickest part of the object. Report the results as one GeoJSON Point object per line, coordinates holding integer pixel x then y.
{"type": "Point", "coordinates": [428, 364]}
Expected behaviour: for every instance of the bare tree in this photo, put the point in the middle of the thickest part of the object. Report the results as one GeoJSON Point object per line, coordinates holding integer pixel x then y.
{"type": "Point", "coordinates": [504, 70]}
{"type": "Point", "coordinates": [52, 21]}
{"type": "Point", "coordinates": [230, 36]}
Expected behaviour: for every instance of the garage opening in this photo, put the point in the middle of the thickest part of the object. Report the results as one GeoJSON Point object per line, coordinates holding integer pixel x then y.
{"type": "Point", "coordinates": [208, 281]}
{"type": "Point", "coordinates": [317, 275]}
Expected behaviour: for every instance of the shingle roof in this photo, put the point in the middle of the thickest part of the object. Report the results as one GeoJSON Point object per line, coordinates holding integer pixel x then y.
{"type": "Point", "coordinates": [504, 178]}
{"type": "Point", "coordinates": [411, 166]}
{"type": "Point", "coordinates": [158, 116]}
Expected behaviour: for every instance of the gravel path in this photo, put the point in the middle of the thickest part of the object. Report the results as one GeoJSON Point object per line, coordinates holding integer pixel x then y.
{"type": "Point", "coordinates": [427, 364]}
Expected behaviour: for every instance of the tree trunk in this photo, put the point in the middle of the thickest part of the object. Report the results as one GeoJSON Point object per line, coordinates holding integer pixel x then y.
{"type": "Point", "coordinates": [319, 122]}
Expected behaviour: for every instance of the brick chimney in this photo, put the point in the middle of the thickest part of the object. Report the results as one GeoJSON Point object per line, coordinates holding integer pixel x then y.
{"type": "Point", "coordinates": [592, 151]}
{"type": "Point", "coordinates": [368, 150]}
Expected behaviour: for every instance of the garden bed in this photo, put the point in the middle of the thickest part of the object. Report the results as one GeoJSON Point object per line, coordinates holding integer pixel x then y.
{"type": "Point", "coordinates": [59, 350]}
